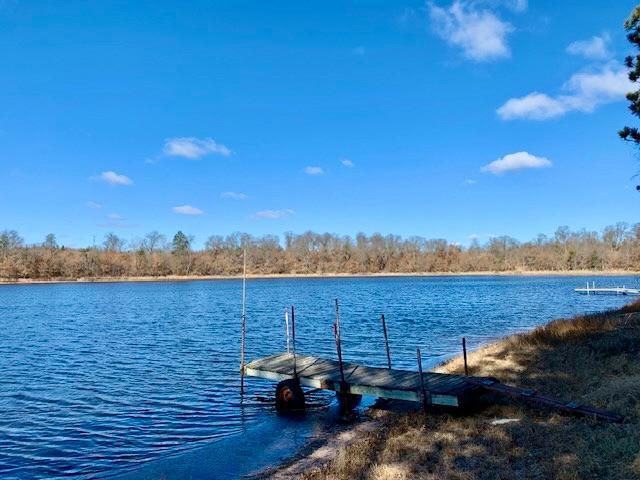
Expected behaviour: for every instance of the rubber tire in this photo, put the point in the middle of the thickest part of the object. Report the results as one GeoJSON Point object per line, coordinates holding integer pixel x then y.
{"type": "Point", "coordinates": [289, 396]}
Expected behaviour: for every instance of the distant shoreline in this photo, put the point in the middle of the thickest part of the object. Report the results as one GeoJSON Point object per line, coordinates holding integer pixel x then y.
{"type": "Point", "coordinates": [191, 278]}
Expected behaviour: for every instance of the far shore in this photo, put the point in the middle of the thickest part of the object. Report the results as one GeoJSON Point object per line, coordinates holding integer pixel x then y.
{"type": "Point", "coordinates": [191, 278]}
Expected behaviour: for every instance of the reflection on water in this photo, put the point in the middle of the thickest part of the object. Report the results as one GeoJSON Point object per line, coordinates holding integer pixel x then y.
{"type": "Point", "coordinates": [101, 377]}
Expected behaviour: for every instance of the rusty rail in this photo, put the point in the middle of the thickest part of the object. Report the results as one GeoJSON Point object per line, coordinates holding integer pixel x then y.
{"type": "Point", "coordinates": [533, 396]}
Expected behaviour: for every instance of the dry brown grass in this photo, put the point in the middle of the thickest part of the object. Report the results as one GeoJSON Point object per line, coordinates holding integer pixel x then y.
{"type": "Point", "coordinates": [593, 359]}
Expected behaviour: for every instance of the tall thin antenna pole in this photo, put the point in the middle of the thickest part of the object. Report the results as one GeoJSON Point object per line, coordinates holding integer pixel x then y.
{"type": "Point", "coordinates": [336, 333]}
{"type": "Point", "coordinates": [243, 320]}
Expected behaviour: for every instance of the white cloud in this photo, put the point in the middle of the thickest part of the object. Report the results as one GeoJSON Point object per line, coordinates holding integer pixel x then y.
{"type": "Point", "coordinates": [274, 214]}
{"type": "Point", "coordinates": [517, 5]}
{"type": "Point", "coordinates": [535, 106]}
{"type": "Point", "coordinates": [113, 178]}
{"type": "Point", "coordinates": [585, 92]}
{"type": "Point", "coordinates": [114, 216]}
{"type": "Point", "coordinates": [347, 163]}
{"type": "Point", "coordinates": [234, 195]}
{"type": "Point", "coordinates": [596, 48]}
{"type": "Point", "coordinates": [93, 205]}
{"type": "Point", "coordinates": [481, 34]}
{"type": "Point", "coordinates": [314, 171]}
{"type": "Point", "coordinates": [469, 182]}
{"type": "Point", "coordinates": [187, 210]}
{"type": "Point", "coordinates": [516, 161]}
{"type": "Point", "coordinates": [474, 236]}
{"type": "Point", "coordinates": [193, 148]}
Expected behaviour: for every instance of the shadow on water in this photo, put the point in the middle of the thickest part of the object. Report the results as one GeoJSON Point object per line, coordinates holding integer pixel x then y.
{"type": "Point", "coordinates": [259, 446]}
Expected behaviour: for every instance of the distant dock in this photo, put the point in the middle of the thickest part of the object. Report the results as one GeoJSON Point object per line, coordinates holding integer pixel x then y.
{"type": "Point", "coordinates": [592, 290]}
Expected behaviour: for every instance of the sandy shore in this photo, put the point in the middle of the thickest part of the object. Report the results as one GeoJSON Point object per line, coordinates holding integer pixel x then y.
{"type": "Point", "coordinates": [191, 278]}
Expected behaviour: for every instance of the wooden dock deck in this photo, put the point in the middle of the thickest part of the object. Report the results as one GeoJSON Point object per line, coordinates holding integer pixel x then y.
{"type": "Point", "coordinates": [442, 389]}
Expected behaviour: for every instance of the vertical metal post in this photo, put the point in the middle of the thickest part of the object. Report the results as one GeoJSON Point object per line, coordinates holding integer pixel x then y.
{"type": "Point", "coordinates": [286, 325]}
{"type": "Point", "coordinates": [464, 354]}
{"type": "Point", "coordinates": [423, 391]}
{"type": "Point", "coordinates": [386, 341]}
{"type": "Point", "coordinates": [336, 334]}
{"type": "Point", "coordinates": [243, 328]}
{"type": "Point", "coordinates": [293, 342]}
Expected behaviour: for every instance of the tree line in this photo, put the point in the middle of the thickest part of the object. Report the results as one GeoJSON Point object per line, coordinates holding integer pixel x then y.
{"type": "Point", "coordinates": [617, 247]}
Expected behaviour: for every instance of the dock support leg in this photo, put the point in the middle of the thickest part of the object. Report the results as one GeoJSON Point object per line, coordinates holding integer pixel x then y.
{"type": "Point", "coordinates": [464, 354]}
{"type": "Point", "coordinates": [423, 390]}
{"type": "Point", "coordinates": [386, 341]}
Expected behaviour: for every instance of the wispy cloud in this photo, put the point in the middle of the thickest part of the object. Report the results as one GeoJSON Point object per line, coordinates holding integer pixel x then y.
{"type": "Point", "coordinates": [193, 148]}
{"type": "Point", "coordinates": [274, 214]}
{"type": "Point", "coordinates": [358, 51]}
{"type": "Point", "coordinates": [187, 210]}
{"type": "Point", "coordinates": [516, 161]}
{"type": "Point", "coordinates": [113, 178]}
{"type": "Point", "coordinates": [517, 5]}
{"type": "Point", "coordinates": [469, 181]}
{"type": "Point", "coordinates": [596, 48]}
{"type": "Point", "coordinates": [114, 216]}
{"type": "Point", "coordinates": [347, 163]}
{"type": "Point", "coordinates": [314, 171]}
{"type": "Point", "coordinates": [585, 92]}
{"type": "Point", "coordinates": [93, 205]}
{"type": "Point", "coordinates": [234, 195]}
{"type": "Point", "coordinates": [480, 33]}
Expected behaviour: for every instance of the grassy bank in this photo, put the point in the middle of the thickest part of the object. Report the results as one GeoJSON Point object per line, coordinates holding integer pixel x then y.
{"type": "Point", "coordinates": [186, 278]}
{"type": "Point", "coordinates": [593, 359]}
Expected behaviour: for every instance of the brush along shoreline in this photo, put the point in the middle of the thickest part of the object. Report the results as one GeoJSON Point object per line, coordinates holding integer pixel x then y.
{"type": "Point", "coordinates": [591, 359]}
{"type": "Point", "coordinates": [191, 278]}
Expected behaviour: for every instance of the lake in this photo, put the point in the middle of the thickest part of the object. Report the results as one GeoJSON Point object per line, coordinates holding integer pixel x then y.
{"type": "Point", "coordinates": [98, 379]}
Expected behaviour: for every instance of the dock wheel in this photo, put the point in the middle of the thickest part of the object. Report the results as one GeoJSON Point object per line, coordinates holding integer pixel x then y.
{"type": "Point", "coordinates": [348, 401]}
{"type": "Point", "coordinates": [289, 396]}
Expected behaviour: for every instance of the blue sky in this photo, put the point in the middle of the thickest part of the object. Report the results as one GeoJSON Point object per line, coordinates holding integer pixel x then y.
{"type": "Point", "coordinates": [446, 119]}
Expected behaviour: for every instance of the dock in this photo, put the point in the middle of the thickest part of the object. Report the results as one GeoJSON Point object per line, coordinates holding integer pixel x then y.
{"type": "Point", "coordinates": [350, 381]}
{"type": "Point", "coordinates": [437, 389]}
{"type": "Point", "coordinates": [443, 389]}
{"type": "Point", "coordinates": [607, 291]}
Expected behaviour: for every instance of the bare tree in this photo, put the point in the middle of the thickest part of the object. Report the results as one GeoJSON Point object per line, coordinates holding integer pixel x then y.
{"type": "Point", "coordinates": [113, 243]}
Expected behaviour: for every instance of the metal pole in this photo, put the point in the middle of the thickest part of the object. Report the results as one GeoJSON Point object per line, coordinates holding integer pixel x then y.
{"type": "Point", "coordinates": [423, 392]}
{"type": "Point", "coordinates": [293, 341]}
{"type": "Point", "coordinates": [336, 334]}
{"type": "Point", "coordinates": [243, 340]}
{"type": "Point", "coordinates": [286, 323]}
{"type": "Point", "coordinates": [386, 341]}
{"type": "Point", "coordinates": [464, 354]}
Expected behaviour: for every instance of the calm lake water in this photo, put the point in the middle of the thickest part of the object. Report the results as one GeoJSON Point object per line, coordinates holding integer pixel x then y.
{"type": "Point", "coordinates": [98, 379]}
